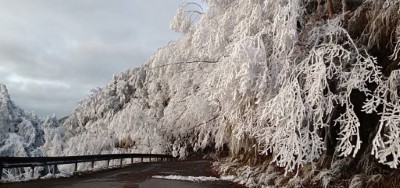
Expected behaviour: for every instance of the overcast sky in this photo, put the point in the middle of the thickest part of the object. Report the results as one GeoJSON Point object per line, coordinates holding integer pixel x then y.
{"type": "Point", "coordinates": [53, 52]}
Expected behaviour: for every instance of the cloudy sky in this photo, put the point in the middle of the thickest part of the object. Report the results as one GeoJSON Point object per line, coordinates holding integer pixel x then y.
{"type": "Point", "coordinates": [53, 52]}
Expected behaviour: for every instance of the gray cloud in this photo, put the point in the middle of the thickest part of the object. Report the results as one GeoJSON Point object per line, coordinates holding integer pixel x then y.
{"type": "Point", "coordinates": [53, 52]}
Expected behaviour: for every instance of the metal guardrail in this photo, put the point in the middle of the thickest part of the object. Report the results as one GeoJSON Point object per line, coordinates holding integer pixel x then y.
{"type": "Point", "coordinates": [17, 162]}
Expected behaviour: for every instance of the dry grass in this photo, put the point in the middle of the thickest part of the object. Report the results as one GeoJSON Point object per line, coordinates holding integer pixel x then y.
{"type": "Point", "coordinates": [125, 143]}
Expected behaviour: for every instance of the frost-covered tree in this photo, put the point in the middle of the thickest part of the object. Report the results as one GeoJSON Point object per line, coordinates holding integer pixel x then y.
{"type": "Point", "coordinates": [53, 136]}
{"type": "Point", "coordinates": [23, 134]}
{"type": "Point", "coordinates": [301, 82]}
{"type": "Point", "coordinates": [20, 132]}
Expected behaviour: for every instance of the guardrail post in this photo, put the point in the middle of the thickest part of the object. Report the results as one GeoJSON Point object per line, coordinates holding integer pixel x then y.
{"type": "Point", "coordinates": [76, 167]}
{"type": "Point", "coordinates": [132, 160]}
{"type": "Point", "coordinates": [120, 164]}
{"type": "Point", "coordinates": [33, 172]}
{"type": "Point", "coordinates": [108, 163]}
{"type": "Point", "coordinates": [1, 172]}
{"type": "Point", "coordinates": [141, 160]}
{"type": "Point", "coordinates": [92, 164]}
{"type": "Point", "coordinates": [54, 169]}
{"type": "Point", "coordinates": [150, 159]}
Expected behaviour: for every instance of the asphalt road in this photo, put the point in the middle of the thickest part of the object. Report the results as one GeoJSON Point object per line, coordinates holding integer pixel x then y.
{"type": "Point", "coordinates": [136, 176]}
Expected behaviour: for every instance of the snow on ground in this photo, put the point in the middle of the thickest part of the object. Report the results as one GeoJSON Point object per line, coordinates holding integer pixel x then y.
{"type": "Point", "coordinates": [195, 178]}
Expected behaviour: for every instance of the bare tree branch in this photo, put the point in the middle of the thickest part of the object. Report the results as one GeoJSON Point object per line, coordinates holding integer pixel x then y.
{"type": "Point", "coordinates": [193, 11]}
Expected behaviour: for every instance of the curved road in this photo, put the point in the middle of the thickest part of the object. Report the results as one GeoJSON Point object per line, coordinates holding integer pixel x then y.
{"type": "Point", "coordinates": [136, 176]}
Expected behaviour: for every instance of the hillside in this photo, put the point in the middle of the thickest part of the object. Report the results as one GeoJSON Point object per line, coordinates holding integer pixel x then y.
{"type": "Point", "coordinates": [300, 92]}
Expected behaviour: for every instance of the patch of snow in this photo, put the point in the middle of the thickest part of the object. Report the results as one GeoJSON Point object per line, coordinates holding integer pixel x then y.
{"type": "Point", "coordinates": [189, 178]}
{"type": "Point", "coordinates": [59, 175]}
{"type": "Point", "coordinates": [227, 178]}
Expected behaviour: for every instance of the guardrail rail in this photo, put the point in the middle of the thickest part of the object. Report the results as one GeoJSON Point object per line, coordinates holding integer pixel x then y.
{"type": "Point", "coordinates": [18, 162]}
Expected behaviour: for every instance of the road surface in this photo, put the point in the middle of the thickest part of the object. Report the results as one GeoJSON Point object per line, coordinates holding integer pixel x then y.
{"type": "Point", "coordinates": [136, 176]}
